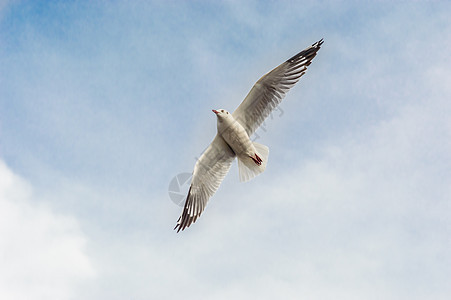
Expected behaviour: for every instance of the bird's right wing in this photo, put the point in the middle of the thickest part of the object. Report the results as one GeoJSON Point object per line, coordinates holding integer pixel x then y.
{"type": "Point", "coordinates": [209, 171]}
{"type": "Point", "coordinates": [269, 90]}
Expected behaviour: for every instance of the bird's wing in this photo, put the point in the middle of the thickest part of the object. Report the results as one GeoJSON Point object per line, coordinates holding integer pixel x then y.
{"type": "Point", "coordinates": [269, 90]}
{"type": "Point", "coordinates": [209, 171]}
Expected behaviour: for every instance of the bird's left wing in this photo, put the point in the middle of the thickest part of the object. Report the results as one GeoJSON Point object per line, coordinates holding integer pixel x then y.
{"type": "Point", "coordinates": [269, 90]}
{"type": "Point", "coordinates": [209, 171]}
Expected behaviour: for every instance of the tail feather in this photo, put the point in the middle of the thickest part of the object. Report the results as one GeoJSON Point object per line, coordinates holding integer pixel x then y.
{"type": "Point", "coordinates": [247, 166]}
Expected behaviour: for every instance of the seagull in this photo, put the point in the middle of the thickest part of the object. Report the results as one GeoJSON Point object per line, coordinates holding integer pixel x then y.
{"type": "Point", "coordinates": [234, 131]}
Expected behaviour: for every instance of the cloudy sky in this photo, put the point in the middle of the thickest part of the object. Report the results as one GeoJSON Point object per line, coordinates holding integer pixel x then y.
{"type": "Point", "coordinates": [102, 103]}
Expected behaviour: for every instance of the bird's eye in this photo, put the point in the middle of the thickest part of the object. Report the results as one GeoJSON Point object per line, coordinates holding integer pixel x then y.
{"type": "Point", "coordinates": [222, 110]}
{"type": "Point", "coordinates": [227, 112]}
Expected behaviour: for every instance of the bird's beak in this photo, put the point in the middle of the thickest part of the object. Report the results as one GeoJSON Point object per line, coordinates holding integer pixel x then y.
{"type": "Point", "coordinates": [215, 111]}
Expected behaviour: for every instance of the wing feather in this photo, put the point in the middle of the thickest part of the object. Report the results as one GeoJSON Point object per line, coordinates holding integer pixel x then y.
{"type": "Point", "coordinates": [269, 90]}
{"type": "Point", "coordinates": [209, 171]}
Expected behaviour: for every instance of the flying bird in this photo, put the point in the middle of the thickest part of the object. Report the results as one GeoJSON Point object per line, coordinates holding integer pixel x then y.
{"type": "Point", "coordinates": [234, 131]}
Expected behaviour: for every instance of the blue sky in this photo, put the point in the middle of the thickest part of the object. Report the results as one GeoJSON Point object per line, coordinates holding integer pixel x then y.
{"type": "Point", "coordinates": [103, 103]}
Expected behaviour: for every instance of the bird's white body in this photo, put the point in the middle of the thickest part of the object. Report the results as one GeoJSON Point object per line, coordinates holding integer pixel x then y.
{"type": "Point", "coordinates": [234, 134]}
{"type": "Point", "coordinates": [252, 157]}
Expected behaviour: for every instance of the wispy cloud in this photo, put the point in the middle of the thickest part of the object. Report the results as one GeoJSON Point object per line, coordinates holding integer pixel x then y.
{"type": "Point", "coordinates": [42, 252]}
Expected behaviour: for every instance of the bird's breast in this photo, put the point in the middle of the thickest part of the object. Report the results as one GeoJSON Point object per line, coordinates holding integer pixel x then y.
{"type": "Point", "coordinates": [236, 137]}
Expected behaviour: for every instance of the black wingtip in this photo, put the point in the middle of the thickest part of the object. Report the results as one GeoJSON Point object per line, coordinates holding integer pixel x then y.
{"type": "Point", "coordinates": [318, 43]}
{"type": "Point", "coordinates": [308, 53]}
{"type": "Point", "coordinates": [178, 224]}
{"type": "Point", "coordinates": [184, 220]}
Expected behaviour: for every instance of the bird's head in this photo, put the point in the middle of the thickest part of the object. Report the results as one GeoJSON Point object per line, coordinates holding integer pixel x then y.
{"type": "Point", "coordinates": [222, 114]}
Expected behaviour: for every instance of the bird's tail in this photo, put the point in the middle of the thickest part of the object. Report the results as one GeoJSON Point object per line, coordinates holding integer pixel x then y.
{"type": "Point", "coordinates": [249, 167]}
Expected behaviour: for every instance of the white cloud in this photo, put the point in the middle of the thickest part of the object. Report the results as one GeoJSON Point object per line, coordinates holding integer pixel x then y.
{"type": "Point", "coordinates": [41, 252]}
